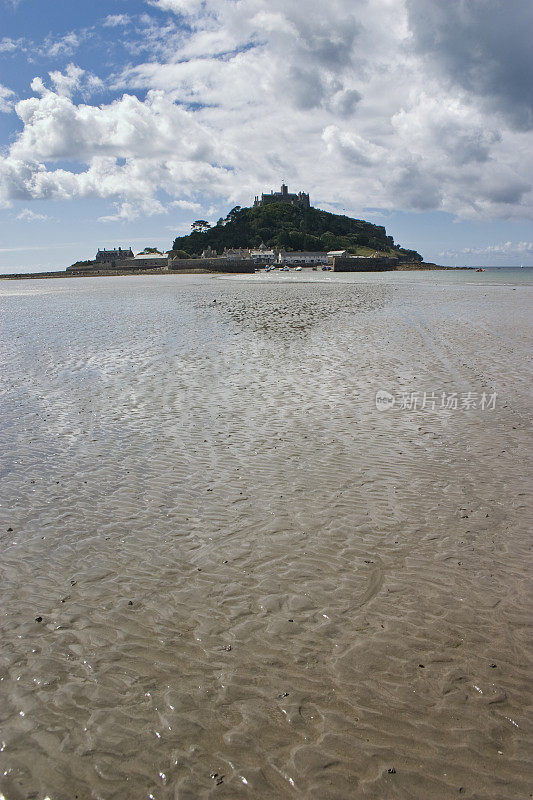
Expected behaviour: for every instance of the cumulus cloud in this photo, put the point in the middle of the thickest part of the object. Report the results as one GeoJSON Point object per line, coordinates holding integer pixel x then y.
{"type": "Point", "coordinates": [73, 79]}
{"type": "Point", "coordinates": [351, 147]}
{"type": "Point", "coordinates": [56, 128]}
{"type": "Point", "coordinates": [374, 104]}
{"type": "Point", "coordinates": [484, 47]}
{"type": "Point", "coordinates": [133, 149]}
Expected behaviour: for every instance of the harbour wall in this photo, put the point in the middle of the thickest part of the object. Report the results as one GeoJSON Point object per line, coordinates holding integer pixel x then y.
{"type": "Point", "coordinates": [234, 265]}
{"type": "Point", "coordinates": [346, 264]}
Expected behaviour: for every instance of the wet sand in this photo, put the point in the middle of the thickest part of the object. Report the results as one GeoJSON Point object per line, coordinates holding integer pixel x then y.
{"type": "Point", "coordinates": [226, 574]}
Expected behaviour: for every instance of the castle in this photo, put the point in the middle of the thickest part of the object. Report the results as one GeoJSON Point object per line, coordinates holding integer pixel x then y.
{"type": "Point", "coordinates": [301, 199]}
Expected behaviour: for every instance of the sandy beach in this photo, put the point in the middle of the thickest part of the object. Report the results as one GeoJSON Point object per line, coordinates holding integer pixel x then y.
{"type": "Point", "coordinates": [225, 573]}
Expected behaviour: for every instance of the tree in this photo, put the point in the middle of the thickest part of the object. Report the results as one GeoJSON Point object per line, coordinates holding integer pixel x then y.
{"type": "Point", "coordinates": [151, 250]}
{"type": "Point", "coordinates": [285, 226]}
{"type": "Point", "coordinates": [233, 213]}
{"type": "Point", "coordinates": [179, 254]}
{"type": "Point", "coordinates": [200, 226]}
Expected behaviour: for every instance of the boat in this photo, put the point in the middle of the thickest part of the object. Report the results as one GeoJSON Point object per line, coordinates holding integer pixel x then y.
{"type": "Point", "coordinates": [480, 269]}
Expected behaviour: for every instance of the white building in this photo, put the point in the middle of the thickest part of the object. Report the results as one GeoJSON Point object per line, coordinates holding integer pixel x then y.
{"type": "Point", "coordinates": [338, 254]}
{"type": "Point", "coordinates": [268, 256]}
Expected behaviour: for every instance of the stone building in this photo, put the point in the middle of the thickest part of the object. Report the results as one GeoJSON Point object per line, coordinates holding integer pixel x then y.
{"type": "Point", "coordinates": [113, 255]}
{"type": "Point", "coordinates": [147, 261]}
{"type": "Point", "coordinates": [236, 252]}
{"type": "Point", "coordinates": [301, 199]}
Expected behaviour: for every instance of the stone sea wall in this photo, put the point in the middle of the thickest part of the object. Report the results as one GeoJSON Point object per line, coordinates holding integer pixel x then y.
{"type": "Point", "coordinates": [240, 265]}
{"type": "Point", "coordinates": [346, 264]}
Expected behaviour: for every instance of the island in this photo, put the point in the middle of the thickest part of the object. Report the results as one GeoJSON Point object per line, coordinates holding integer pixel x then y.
{"type": "Point", "coordinates": [281, 229]}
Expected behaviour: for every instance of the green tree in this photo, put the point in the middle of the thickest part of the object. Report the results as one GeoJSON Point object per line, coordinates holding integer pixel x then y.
{"type": "Point", "coordinates": [200, 226]}
{"type": "Point", "coordinates": [289, 227]}
{"type": "Point", "coordinates": [179, 254]}
{"type": "Point", "coordinates": [233, 214]}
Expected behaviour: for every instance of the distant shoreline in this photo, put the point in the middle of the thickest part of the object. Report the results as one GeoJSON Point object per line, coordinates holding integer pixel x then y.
{"type": "Point", "coordinates": [110, 273]}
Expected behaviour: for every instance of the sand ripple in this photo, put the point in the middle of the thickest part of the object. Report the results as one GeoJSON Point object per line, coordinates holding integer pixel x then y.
{"type": "Point", "coordinates": [248, 582]}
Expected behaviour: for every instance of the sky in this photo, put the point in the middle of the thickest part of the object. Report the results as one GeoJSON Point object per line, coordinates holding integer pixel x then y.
{"type": "Point", "coordinates": [123, 121]}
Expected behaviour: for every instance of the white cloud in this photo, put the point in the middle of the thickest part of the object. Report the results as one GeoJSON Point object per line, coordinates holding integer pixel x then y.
{"type": "Point", "coordinates": [351, 147]}
{"type": "Point", "coordinates": [187, 205]}
{"type": "Point", "coordinates": [116, 20]}
{"type": "Point", "coordinates": [56, 128]}
{"type": "Point", "coordinates": [347, 105]}
{"type": "Point", "coordinates": [8, 45]}
{"type": "Point", "coordinates": [501, 249]}
{"type": "Point", "coordinates": [27, 215]}
{"type": "Point", "coordinates": [179, 6]}
{"type": "Point", "coordinates": [501, 253]}
{"type": "Point", "coordinates": [6, 99]}
{"type": "Point", "coordinates": [485, 48]}
{"type": "Point", "coordinates": [62, 46]}
{"type": "Point", "coordinates": [73, 79]}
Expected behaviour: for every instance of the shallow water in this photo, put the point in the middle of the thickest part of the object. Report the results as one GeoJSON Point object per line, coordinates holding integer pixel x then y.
{"type": "Point", "coordinates": [251, 582]}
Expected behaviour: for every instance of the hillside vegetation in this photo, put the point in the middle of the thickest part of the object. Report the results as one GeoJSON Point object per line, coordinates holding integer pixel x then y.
{"type": "Point", "coordinates": [290, 228]}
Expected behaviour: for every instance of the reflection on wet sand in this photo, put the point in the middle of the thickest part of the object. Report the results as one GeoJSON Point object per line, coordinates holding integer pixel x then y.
{"type": "Point", "coordinates": [287, 308]}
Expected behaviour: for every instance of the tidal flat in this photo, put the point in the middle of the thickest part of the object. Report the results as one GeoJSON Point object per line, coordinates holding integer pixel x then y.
{"type": "Point", "coordinates": [226, 574]}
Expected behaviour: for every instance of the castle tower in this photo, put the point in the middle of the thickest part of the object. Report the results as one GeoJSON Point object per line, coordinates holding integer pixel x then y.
{"type": "Point", "coordinates": [284, 196]}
